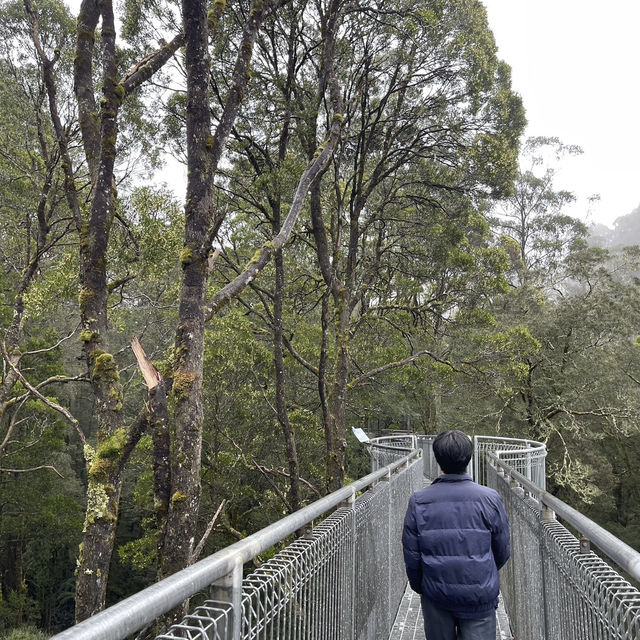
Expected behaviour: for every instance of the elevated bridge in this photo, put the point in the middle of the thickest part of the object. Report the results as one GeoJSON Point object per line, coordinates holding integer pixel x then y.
{"type": "Point", "coordinates": [344, 579]}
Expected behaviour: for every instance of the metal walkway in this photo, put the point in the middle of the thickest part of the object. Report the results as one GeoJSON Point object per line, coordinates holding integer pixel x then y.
{"type": "Point", "coordinates": [408, 624]}
{"type": "Point", "coordinates": [345, 580]}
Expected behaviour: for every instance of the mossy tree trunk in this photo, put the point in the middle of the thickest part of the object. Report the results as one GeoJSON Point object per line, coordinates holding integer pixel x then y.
{"type": "Point", "coordinates": [201, 226]}
{"type": "Point", "coordinates": [104, 464]}
{"type": "Point", "coordinates": [338, 393]}
{"type": "Point", "coordinates": [281, 384]}
{"type": "Point", "coordinates": [115, 438]}
{"type": "Point", "coordinates": [275, 200]}
{"type": "Point", "coordinates": [204, 152]}
{"type": "Point", "coordinates": [177, 541]}
{"type": "Point", "coordinates": [333, 385]}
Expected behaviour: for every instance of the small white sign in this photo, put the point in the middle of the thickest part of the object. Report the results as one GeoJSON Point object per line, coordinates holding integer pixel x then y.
{"type": "Point", "coordinates": [360, 434]}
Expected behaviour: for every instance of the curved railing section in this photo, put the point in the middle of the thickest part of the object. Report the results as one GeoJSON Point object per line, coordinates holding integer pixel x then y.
{"type": "Point", "coordinates": [525, 456]}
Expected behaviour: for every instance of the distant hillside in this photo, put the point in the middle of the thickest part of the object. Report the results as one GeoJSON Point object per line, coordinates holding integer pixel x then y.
{"type": "Point", "coordinates": [625, 232]}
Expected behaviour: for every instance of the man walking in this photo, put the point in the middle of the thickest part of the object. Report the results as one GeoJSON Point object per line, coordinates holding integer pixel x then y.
{"type": "Point", "coordinates": [455, 538]}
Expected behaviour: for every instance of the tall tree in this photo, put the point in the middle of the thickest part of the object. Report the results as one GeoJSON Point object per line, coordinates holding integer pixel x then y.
{"type": "Point", "coordinates": [431, 106]}
{"type": "Point", "coordinates": [99, 127]}
{"type": "Point", "coordinates": [538, 234]}
{"type": "Point", "coordinates": [37, 280]}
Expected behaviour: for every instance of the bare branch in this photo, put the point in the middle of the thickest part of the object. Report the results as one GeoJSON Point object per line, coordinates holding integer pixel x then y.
{"type": "Point", "coordinates": [12, 425]}
{"type": "Point", "coordinates": [200, 546]}
{"type": "Point", "coordinates": [51, 348]}
{"type": "Point", "coordinates": [299, 358]}
{"type": "Point", "coordinates": [635, 380]}
{"type": "Point", "coordinates": [263, 255]}
{"type": "Point", "coordinates": [119, 282]}
{"type": "Point", "coordinates": [52, 405]}
{"type": "Point", "coordinates": [282, 472]}
{"type": "Point", "coordinates": [399, 363]}
{"type": "Point", "coordinates": [274, 486]}
{"type": "Point", "coordinates": [150, 64]}
{"type": "Point", "coordinates": [212, 259]}
{"type": "Point", "coordinates": [269, 320]}
{"type": "Point", "coordinates": [44, 466]}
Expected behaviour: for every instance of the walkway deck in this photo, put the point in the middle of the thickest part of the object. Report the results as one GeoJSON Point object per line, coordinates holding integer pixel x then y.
{"type": "Point", "coordinates": [408, 624]}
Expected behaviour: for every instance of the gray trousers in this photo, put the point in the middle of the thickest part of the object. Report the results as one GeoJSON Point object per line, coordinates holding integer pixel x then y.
{"type": "Point", "coordinates": [443, 625]}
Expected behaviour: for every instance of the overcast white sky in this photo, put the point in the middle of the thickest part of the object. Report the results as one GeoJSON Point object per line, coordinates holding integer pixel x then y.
{"type": "Point", "coordinates": [576, 64]}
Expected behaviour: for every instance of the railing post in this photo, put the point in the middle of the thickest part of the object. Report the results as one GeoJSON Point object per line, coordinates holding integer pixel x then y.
{"type": "Point", "coordinates": [348, 620]}
{"type": "Point", "coordinates": [476, 460]}
{"type": "Point", "coordinates": [546, 513]}
{"type": "Point", "coordinates": [387, 480]}
{"type": "Point", "coordinates": [229, 590]}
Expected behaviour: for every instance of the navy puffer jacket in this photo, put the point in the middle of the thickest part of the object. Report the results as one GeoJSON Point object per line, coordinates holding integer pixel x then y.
{"type": "Point", "coordinates": [455, 538]}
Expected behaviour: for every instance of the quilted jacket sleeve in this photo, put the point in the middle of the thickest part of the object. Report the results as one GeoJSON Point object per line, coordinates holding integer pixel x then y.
{"type": "Point", "coordinates": [411, 548]}
{"type": "Point", "coordinates": [500, 544]}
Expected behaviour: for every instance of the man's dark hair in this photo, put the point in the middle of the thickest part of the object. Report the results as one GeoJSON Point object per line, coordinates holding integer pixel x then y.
{"type": "Point", "coordinates": [453, 450]}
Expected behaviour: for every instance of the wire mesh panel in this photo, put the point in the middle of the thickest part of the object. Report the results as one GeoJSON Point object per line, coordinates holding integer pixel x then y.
{"type": "Point", "coordinates": [521, 579]}
{"type": "Point", "coordinates": [602, 603]}
{"type": "Point", "coordinates": [383, 456]}
{"type": "Point", "coordinates": [552, 589]}
{"type": "Point", "coordinates": [401, 488]}
{"type": "Point", "coordinates": [371, 598]}
{"type": "Point", "coordinates": [210, 621]}
{"type": "Point", "coordinates": [343, 581]}
{"type": "Point", "coordinates": [305, 590]}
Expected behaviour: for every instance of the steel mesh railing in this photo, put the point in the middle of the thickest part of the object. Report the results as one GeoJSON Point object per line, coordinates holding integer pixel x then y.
{"type": "Point", "coordinates": [524, 456]}
{"type": "Point", "coordinates": [554, 586]}
{"type": "Point", "coordinates": [299, 593]}
{"type": "Point", "coordinates": [335, 583]}
{"type": "Point", "coordinates": [213, 619]}
{"type": "Point", "coordinates": [345, 578]}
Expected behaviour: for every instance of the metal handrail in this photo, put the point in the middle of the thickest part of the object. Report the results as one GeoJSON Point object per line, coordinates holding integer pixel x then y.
{"type": "Point", "coordinates": [142, 608]}
{"type": "Point", "coordinates": [529, 445]}
{"type": "Point", "coordinates": [410, 445]}
{"type": "Point", "coordinates": [621, 553]}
